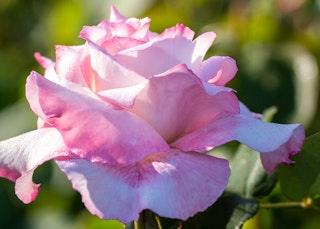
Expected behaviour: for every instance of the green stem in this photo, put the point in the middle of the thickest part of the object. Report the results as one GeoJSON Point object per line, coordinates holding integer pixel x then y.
{"type": "Point", "coordinates": [280, 205]}
{"type": "Point", "coordinates": [306, 203]}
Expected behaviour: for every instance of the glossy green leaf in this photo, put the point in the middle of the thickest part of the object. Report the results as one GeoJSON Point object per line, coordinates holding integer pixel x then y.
{"type": "Point", "coordinates": [302, 178]}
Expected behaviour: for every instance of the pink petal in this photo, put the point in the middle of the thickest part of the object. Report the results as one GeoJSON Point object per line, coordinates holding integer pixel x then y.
{"type": "Point", "coordinates": [176, 103]}
{"type": "Point", "coordinates": [117, 44]}
{"type": "Point", "coordinates": [102, 72]}
{"type": "Point", "coordinates": [177, 31]}
{"type": "Point", "coordinates": [43, 61]}
{"type": "Point", "coordinates": [124, 97]}
{"type": "Point", "coordinates": [92, 129]}
{"type": "Point", "coordinates": [96, 34]}
{"type": "Point", "coordinates": [115, 16]}
{"type": "Point", "coordinates": [174, 185]}
{"type": "Point", "coordinates": [218, 70]}
{"type": "Point", "coordinates": [49, 65]}
{"type": "Point", "coordinates": [275, 142]}
{"type": "Point", "coordinates": [281, 155]}
{"type": "Point", "coordinates": [117, 36]}
{"type": "Point", "coordinates": [174, 46]}
{"type": "Point", "coordinates": [21, 155]}
{"type": "Point", "coordinates": [67, 64]}
{"type": "Point", "coordinates": [201, 45]}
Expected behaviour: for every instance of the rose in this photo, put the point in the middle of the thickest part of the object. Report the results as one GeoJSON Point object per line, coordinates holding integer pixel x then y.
{"type": "Point", "coordinates": [128, 117]}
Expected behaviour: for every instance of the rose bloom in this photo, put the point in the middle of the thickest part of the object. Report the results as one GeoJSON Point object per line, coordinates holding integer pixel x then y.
{"type": "Point", "coordinates": [128, 117]}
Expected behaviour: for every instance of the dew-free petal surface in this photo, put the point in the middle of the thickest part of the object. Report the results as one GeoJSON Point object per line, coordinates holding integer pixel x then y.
{"type": "Point", "coordinates": [275, 142]}
{"type": "Point", "coordinates": [175, 185]}
{"type": "Point", "coordinates": [176, 103]}
{"type": "Point", "coordinates": [91, 128]}
{"type": "Point", "coordinates": [21, 155]}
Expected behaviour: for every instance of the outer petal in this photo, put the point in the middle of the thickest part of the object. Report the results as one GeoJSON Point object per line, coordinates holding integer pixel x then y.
{"type": "Point", "coordinates": [175, 185]}
{"type": "Point", "coordinates": [218, 70]}
{"type": "Point", "coordinates": [21, 155]}
{"type": "Point", "coordinates": [176, 103]}
{"type": "Point", "coordinates": [276, 142]}
{"type": "Point", "coordinates": [48, 64]}
{"type": "Point", "coordinates": [94, 130]}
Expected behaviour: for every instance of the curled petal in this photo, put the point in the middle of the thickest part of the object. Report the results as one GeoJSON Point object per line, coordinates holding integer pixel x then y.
{"type": "Point", "coordinates": [282, 155]}
{"type": "Point", "coordinates": [91, 128]}
{"type": "Point", "coordinates": [275, 142]}
{"type": "Point", "coordinates": [174, 184]}
{"type": "Point", "coordinates": [218, 70]}
{"type": "Point", "coordinates": [21, 155]}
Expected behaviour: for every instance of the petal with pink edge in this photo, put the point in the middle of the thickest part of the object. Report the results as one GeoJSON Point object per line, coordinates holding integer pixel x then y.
{"type": "Point", "coordinates": [48, 64]}
{"type": "Point", "coordinates": [115, 16]}
{"type": "Point", "coordinates": [91, 128]}
{"type": "Point", "coordinates": [218, 70]}
{"type": "Point", "coordinates": [175, 185]}
{"type": "Point", "coordinates": [275, 142]}
{"type": "Point", "coordinates": [174, 46]}
{"type": "Point", "coordinates": [67, 63]}
{"type": "Point", "coordinates": [102, 72]}
{"type": "Point", "coordinates": [21, 155]}
{"type": "Point", "coordinates": [176, 103]}
{"type": "Point", "coordinates": [124, 97]}
{"type": "Point", "coordinates": [114, 37]}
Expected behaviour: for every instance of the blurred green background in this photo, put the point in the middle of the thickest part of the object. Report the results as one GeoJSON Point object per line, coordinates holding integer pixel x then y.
{"type": "Point", "coordinates": [275, 43]}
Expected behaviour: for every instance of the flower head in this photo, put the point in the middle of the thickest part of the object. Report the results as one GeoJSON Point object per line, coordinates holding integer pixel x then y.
{"type": "Point", "coordinates": [129, 115]}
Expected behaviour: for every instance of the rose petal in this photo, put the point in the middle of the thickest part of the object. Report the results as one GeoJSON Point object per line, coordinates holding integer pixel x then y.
{"type": "Point", "coordinates": [67, 64]}
{"type": "Point", "coordinates": [282, 155]}
{"type": "Point", "coordinates": [102, 72]}
{"type": "Point", "coordinates": [124, 97]}
{"type": "Point", "coordinates": [44, 61]}
{"type": "Point", "coordinates": [117, 44]}
{"type": "Point", "coordinates": [174, 46]}
{"type": "Point", "coordinates": [175, 185]}
{"type": "Point", "coordinates": [21, 155]}
{"type": "Point", "coordinates": [218, 70]}
{"type": "Point", "coordinates": [278, 141]}
{"type": "Point", "coordinates": [115, 16]}
{"type": "Point", "coordinates": [117, 36]}
{"type": "Point", "coordinates": [201, 45]}
{"type": "Point", "coordinates": [48, 64]}
{"type": "Point", "coordinates": [176, 103]}
{"type": "Point", "coordinates": [91, 128]}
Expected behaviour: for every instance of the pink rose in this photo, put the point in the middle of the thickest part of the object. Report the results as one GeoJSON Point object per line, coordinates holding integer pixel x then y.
{"type": "Point", "coordinates": [129, 115]}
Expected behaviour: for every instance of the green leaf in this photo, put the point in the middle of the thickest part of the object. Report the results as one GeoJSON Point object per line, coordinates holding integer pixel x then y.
{"type": "Point", "coordinates": [302, 179]}
{"type": "Point", "coordinates": [229, 212]}
{"type": "Point", "coordinates": [248, 177]}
